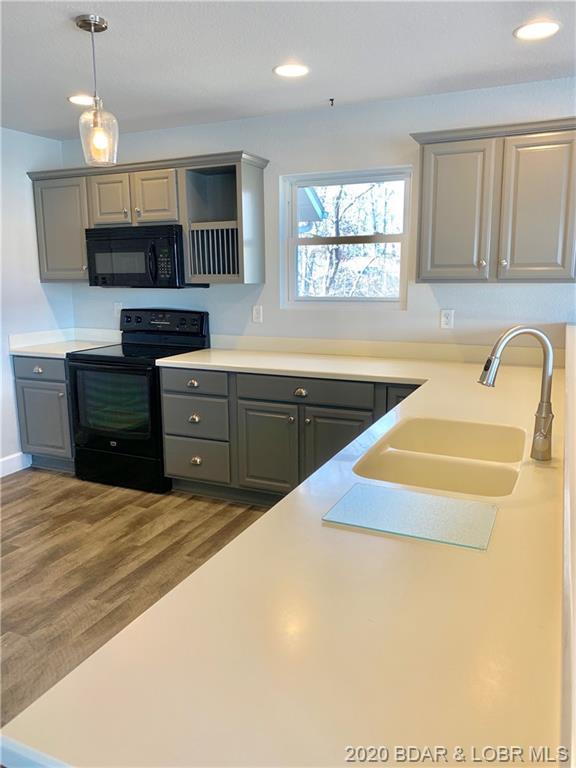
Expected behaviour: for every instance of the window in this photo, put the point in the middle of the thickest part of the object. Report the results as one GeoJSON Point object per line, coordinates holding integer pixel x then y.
{"type": "Point", "coordinates": [347, 234]}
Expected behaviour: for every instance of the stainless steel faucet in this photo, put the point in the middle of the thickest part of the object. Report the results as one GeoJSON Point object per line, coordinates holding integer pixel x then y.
{"type": "Point", "coordinates": [542, 440]}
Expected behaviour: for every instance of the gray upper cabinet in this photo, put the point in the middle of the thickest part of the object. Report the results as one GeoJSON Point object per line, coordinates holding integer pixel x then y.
{"type": "Point", "coordinates": [498, 203]}
{"type": "Point", "coordinates": [109, 196]}
{"type": "Point", "coordinates": [61, 219]}
{"type": "Point", "coordinates": [218, 199]}
{"type": "Point", "coordinates": [43, 418]}
{"type": "Point", "coordinates": [327, 431]}
{"type": "Point", "coordinates": [154, 195]}
{"type": "Point", "coordinates": [268, 446]}
{"type": "Point", "coordinates": [537, 238]}
{"type": "Point", "coordinates": [459, 190]}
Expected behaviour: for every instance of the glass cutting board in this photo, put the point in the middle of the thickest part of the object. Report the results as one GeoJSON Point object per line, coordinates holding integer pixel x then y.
{"type": "Point", "coordinates": [418, 515]}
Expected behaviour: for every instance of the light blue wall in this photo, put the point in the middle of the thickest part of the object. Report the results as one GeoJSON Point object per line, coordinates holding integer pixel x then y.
{"type": "Point", "coordinates": [352, 137]}
{"type": "Point", "coordinates": [27, 304]}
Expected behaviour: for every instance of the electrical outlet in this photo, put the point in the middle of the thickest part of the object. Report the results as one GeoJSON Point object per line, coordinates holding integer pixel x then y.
{"type": "Point", "coordinates": [257, 313]}
{"type": "Point", "coordinates": [117, 308]}
{"type": "Point", "coordinates": [446, 318]}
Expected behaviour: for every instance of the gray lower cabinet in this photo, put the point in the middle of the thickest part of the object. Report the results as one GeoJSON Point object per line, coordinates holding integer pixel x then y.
{"type": "Point", "coordinates": [191, 459]}
{"type": "Point", "coordinates": [61, 219]}
{"type": "Point", "coordinates": [396, 393]}
{"type": "Point", "coordinates": [327, 431]}
{"type": "Point", "coordinates": [268, 445]}
{"type": "Point", "coordinates": [43, 418]}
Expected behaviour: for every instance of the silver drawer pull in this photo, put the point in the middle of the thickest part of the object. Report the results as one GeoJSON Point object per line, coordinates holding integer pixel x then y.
{"type": "Point", "coordinates": [37, 369]}
{"type": "Point", "coordinates": [307, 421]}
{"type": "Point", "coordinates": [291, 419]}
{"type": "Point", "coordinates": [196, 460]}
{"type": "Point", "coordinates": [300, 392]}
{"type": "Point", "coordinates": [60, 394]}
{"type": "Point", "coordinates": [194, 419]}
{"type": "Point", "coordinates": [193, 384]}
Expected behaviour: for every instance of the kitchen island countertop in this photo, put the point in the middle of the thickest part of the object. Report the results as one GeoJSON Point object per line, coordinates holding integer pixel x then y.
{"type": "Point", "coordinates": [300, 639]}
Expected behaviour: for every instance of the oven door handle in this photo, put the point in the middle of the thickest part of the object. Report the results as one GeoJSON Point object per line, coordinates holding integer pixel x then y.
{"type": "Point", "coordinates": [79, 365]}
{"type": "Point", "coordinates": [152, 263]}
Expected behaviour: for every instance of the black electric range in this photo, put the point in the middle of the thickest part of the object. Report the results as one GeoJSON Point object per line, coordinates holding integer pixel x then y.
{"type": "Point", "coordinates": [115, 397]}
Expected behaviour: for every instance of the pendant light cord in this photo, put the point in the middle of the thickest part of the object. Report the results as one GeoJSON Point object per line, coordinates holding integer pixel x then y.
{"type": "Point", "coordinates": [94, 62]}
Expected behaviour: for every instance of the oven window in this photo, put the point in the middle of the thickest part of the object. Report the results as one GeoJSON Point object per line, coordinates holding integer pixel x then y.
{"type": "Point", "coordinates": [120, 262]}
{"type": "Point", "coordinates": [114, 402]}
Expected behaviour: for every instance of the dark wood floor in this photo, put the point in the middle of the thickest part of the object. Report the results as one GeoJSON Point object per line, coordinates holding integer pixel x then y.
{"type": "Point", "coordinates": [80, 561]}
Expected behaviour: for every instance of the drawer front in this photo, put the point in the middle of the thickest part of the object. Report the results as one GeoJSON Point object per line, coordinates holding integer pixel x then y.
{"type": "Point", "coordinates": [195, 382]}
{"type": "Point", "coordinates": [195, 416]}
{"type": "Point", "coordinates": [40, 368]}
{"type": "Point", "coordinates": [350, 394]}
{"type": "Point", "coordinates": [194, 459]}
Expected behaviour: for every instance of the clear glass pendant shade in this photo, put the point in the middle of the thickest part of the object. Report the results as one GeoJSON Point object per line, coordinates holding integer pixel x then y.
{"type": "Point", "coordinates": [99, 135]}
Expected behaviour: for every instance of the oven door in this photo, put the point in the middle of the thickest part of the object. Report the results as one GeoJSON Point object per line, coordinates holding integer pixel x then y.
{"type": "Point", "coordinates": [115, 261]}
{"type": "Point", "coordinates": [116, 408]}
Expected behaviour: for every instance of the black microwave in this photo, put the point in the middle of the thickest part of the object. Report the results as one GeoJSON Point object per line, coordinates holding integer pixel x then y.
{"type": "Point", "coordinates": [136, 257]}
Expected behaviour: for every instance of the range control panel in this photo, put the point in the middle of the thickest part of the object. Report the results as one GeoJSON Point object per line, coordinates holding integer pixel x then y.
{"type": "Point", "coordinates": [164, 321]}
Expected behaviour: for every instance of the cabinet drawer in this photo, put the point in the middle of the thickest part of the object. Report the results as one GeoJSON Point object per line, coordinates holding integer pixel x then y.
{"type": "Point", "coordinates": [354, 394]}
{"type": "Point", "coordinates": [195, 416]}
{"type": "Point", "coordinates": [197, 459]}
{"type": "Point", "coordinates": [41, 368]}
{"type": "Point", "coordinates": [195, 382]}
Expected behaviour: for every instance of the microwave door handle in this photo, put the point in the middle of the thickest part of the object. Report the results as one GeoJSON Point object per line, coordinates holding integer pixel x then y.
{"type": "Point", "coordinates": [152, 263]}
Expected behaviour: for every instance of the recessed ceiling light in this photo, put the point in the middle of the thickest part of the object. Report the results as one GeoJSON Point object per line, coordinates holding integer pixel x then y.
{"type": "Point", "coordinates": [82, 99]}
{"type": "Point", "coordinates": [537, 30]}
{"type": "Point", "coordinates": [291, 70]}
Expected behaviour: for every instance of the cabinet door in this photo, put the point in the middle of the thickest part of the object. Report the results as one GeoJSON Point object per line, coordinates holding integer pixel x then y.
{"type": "Point", "coordinates": [327, 431]}
{"type": "Point", "coordinates": [43, 418]}
{"type": "Point", "coordinates": [61, 220]}
{"type": "Point", "coordinates": [110, 198]}
{"type": "Point", "coordinates": [538, 207]}
{"type": "Point", "coordinates": [398, 392]}
{"type": "Point", "coordinates": [154, 196]}
{"type": "Point", "coordinates": [459, 201]}
{"type": "Point", "coordinates": [268, 445]}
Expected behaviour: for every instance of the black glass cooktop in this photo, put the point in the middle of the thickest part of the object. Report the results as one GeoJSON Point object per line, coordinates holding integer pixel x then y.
{"type": "Point", "coordinates": [132, 353]}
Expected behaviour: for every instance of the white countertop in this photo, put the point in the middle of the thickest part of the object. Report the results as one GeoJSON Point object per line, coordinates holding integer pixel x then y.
{"type": "Point", "coordinates": [56, 349]}
{"type": "Point", "coordinates": [299, 638]}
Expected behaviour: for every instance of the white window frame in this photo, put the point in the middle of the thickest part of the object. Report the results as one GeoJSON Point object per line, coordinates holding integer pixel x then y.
{"type": "Point", "coordinates": [290, 186]}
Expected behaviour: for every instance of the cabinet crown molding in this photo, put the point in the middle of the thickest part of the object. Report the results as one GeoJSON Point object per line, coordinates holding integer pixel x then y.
{"type": "Point", "coordinates": [495, 131]}
{"type": "Point", "coordinates": [197, 161]}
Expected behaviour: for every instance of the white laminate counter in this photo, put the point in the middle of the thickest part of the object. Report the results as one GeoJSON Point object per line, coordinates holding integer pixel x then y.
{"type": "Point", "coordinates": [300, 638]}
{"type": "Point", "coordinates": [56, 349]}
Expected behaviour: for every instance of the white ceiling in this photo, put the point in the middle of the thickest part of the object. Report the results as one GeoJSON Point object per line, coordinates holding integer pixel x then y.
{"type": "Point", "coordinates": [164, 64]}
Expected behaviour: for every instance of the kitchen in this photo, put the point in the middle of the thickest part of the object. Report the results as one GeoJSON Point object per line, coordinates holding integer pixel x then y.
{"type": "Point", "coordinates": [306, 635]}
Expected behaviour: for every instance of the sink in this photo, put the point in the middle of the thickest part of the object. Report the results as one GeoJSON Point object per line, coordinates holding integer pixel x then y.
{"type": "Point", "coordinates": [470, 440]}
{"type": "Point", "coordinates": [455, 456]}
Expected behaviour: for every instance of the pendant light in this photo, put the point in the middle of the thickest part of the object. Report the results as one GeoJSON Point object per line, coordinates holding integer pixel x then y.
{"type": "Point", "coordinates": [98, 128]}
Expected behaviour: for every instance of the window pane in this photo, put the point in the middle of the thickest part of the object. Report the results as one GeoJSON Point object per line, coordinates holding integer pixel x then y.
{"type": "Point", "coordinates": [338, 210]}
{"type": "Point", "coordinates": [370, 270]}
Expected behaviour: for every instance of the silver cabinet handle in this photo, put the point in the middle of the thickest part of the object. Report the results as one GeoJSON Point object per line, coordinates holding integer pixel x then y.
{"type": "Point", "coordinates": [194, 419]}
{"type": "Point", "coordinates": [307, 421]}
{"type": "Point", "coordinates": [37, 369]}
{"type": "Point", "coordinates": [503, 263]}
{"type": "Point", "coordinates": [291, 419]}
{"type": "Point", "coordinates": [60, 394]}
{"type": "Point", "coordinates": [300, 392]}
{"type": "Point", "coordinates": [193, 384]}
{"type": "Point", "coordinates": [125, 212]}
{"type": "Point", "coordinates": [138, 211]}
{"type": "Point", "coordinates": [84, 267]}
{"type": "Point", "coordinates": [196, 460]}
{"type": "Point", "coordinates": [481, 264]}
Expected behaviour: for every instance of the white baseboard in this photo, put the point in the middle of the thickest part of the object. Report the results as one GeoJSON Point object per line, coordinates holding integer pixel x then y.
{"type": "Point", "coordinates": [14, 463]}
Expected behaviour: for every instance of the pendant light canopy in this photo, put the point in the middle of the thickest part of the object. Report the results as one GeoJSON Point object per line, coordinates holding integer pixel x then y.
{"type": "Point", "coordinates": [98, 128]}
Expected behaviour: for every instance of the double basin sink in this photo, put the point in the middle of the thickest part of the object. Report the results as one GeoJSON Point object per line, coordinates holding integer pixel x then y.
{"type": "Point", "coordinates": [454, 456]}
